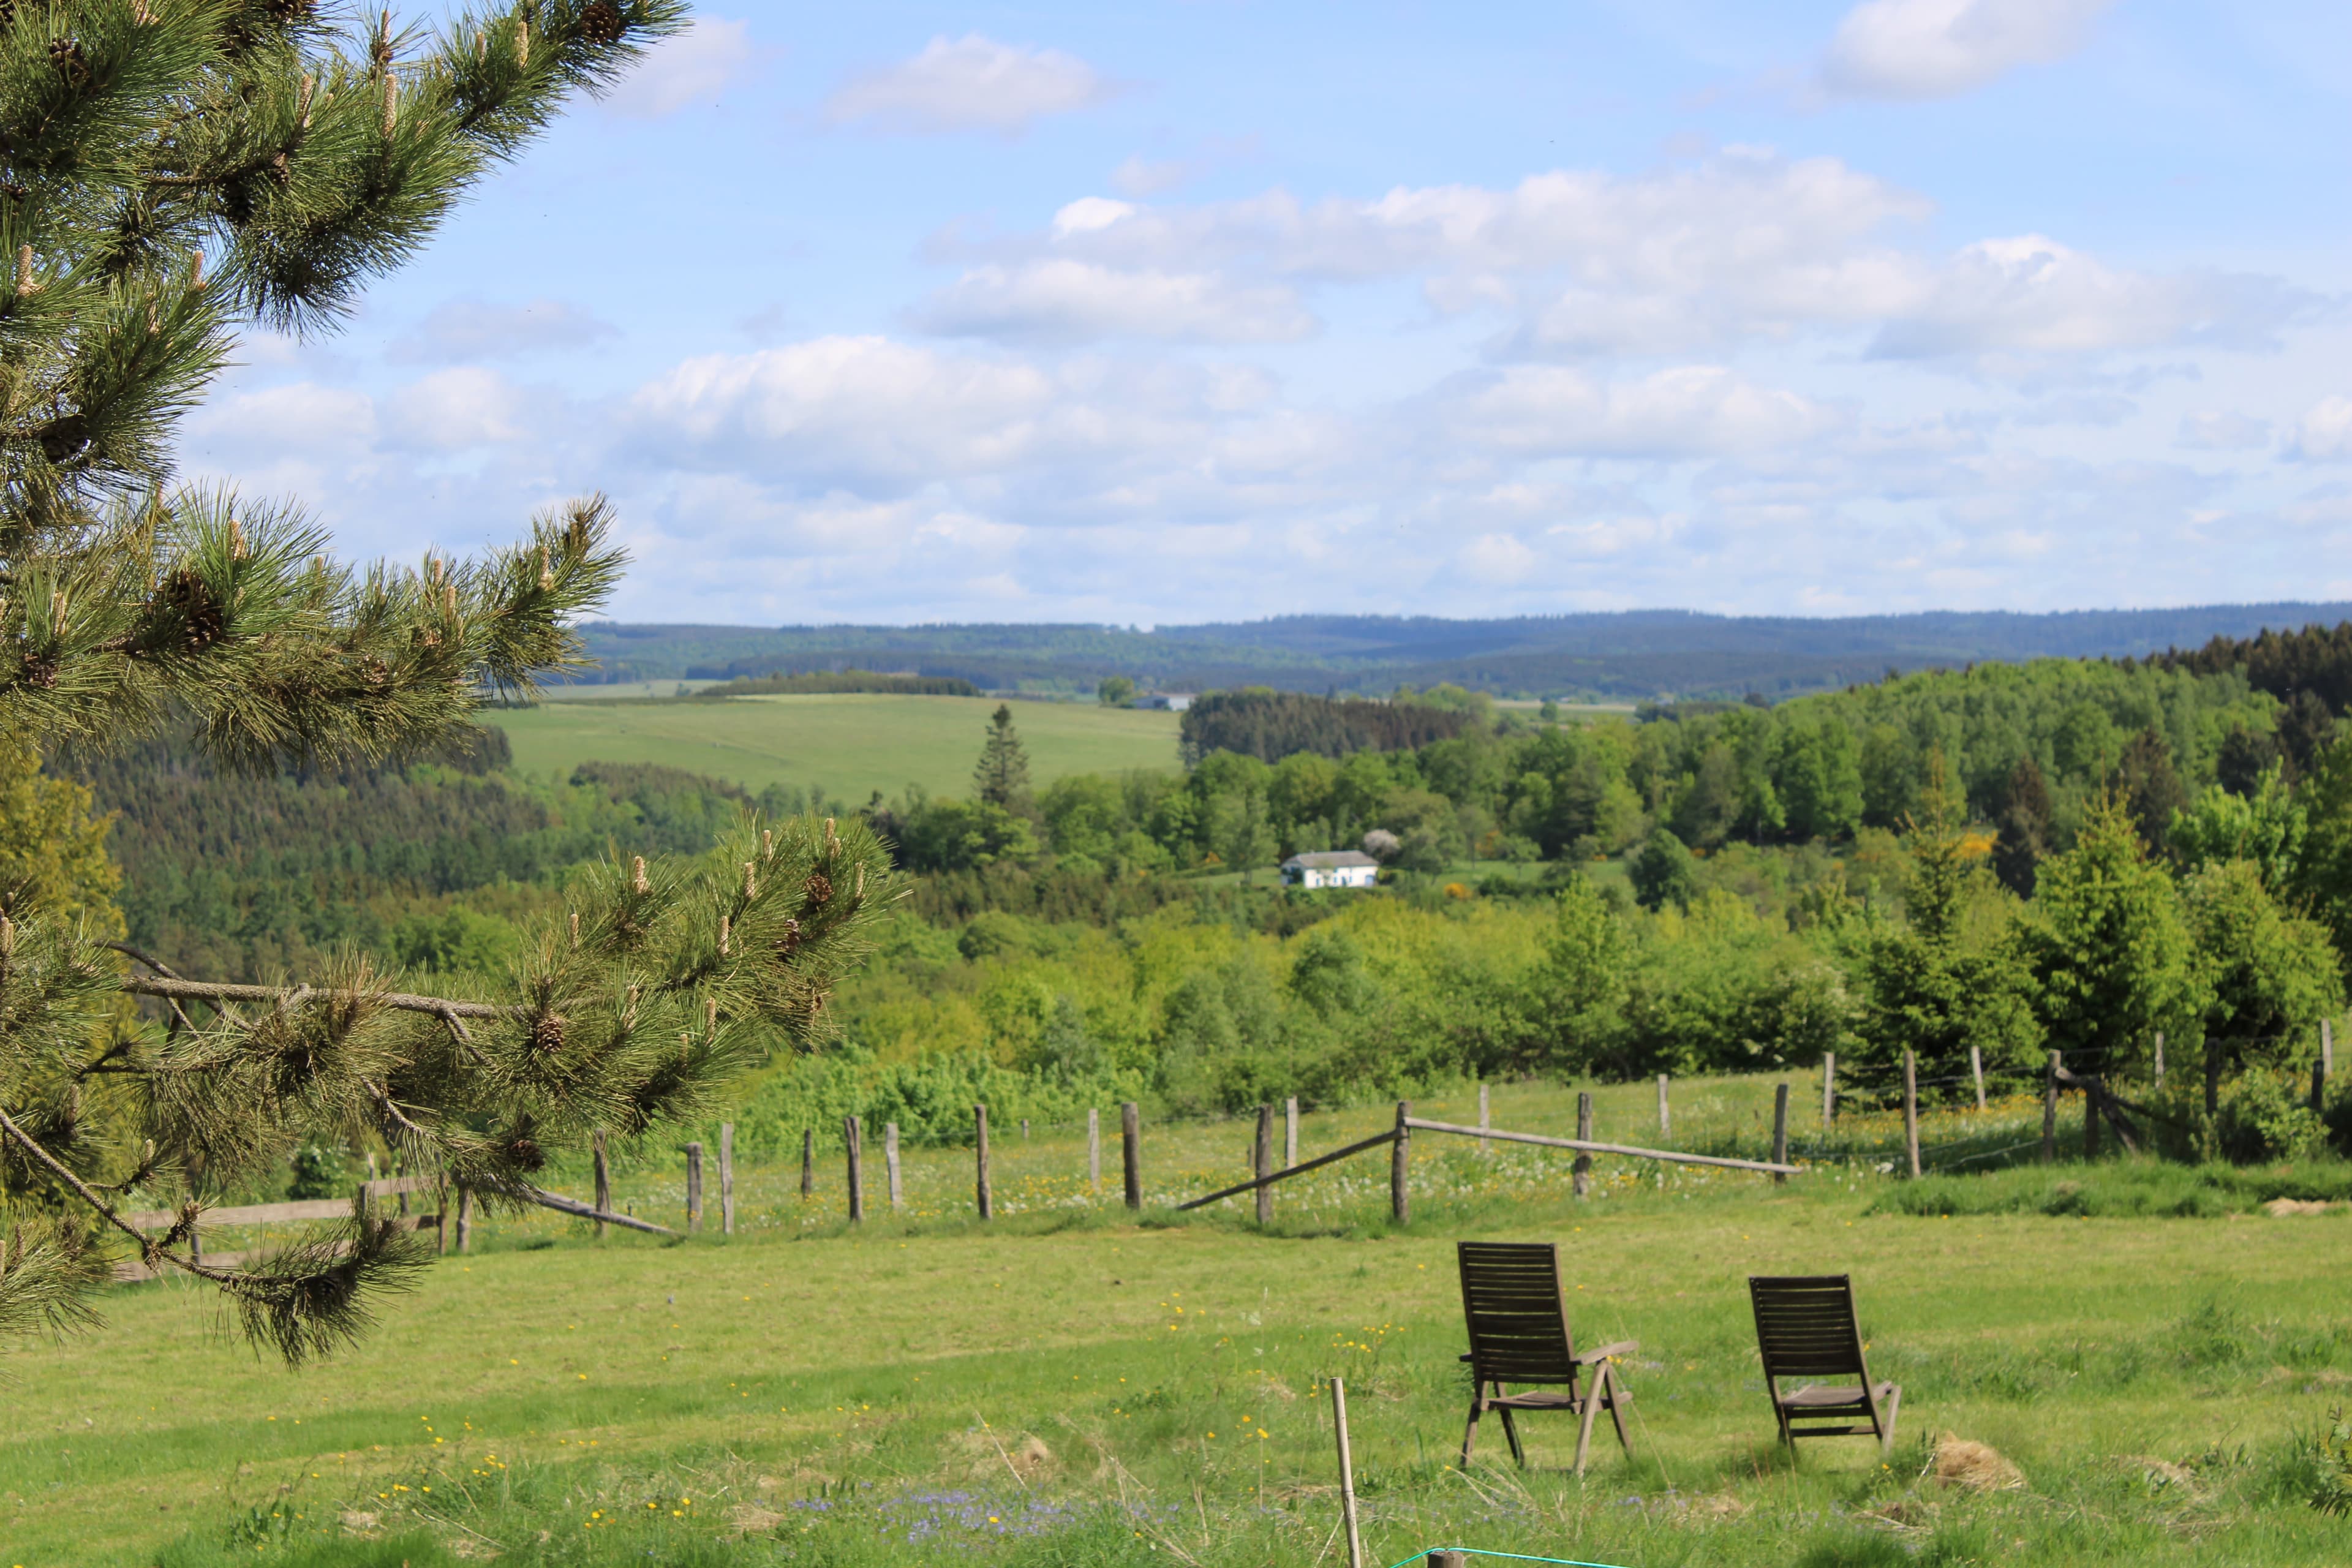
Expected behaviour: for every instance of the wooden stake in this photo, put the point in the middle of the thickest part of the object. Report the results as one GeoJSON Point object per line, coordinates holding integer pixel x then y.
{"type": "Point", "coordinates": [1976, 1068]}
{"type": "Point", "coordinates": [980, 1151]}
{"type": "Point", "coordinates": [1131, 1139]}
{"type": "Point", "coordinates": [693, 1188]}
{"type": "Point", "coordinates": [2327, 1048]}
{"type": "Point", "coordinates": [603, 1179]}
{"type": "Point", "coordinates": [1290, 1133]}
{"type": "Point", "coordinates": [465, 1220]}
{"type": "Point", "coordinates": [2050, 1112]}
{"type": "Point", "coordinates": [1485, 1149]}
{"type": "Point", "coordinates": [890, 1163]}
{"type": "Point", "coordinates": [1829, 1090]}
{"type": "Point", "coordinates": [1400, 1166]}
{"type": "Point", "coordinates": [1580, 1173]}
{"type": "Point", "coordinates": [808, 1161]}
{"type": "Point", "coordinates": [1094, 1152]}
{"type": "Point", "coordinates": [1665, 1119]}
{"type": "Point", "coordinates": [1262, 1163]}
{"type": "Point", "coordinates": [1779, 1127]}
{"type": "Point", "coordinates": [1347, 1473]}
{"type": "Point", "coordinates": [727, 1178]}
{"type": "Point", "coordinates": [1911, 1108]}
{"type": "Point", "coordinates": [853, 1138]}
{"type": "Point", "coordinates": [2159, 1057]}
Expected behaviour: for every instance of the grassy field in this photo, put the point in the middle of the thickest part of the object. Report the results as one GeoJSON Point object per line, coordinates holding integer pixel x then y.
{"type": "Point", "coordinates": [1066, 1388]}
{"type": "Point", "coordinates": [847, 745]}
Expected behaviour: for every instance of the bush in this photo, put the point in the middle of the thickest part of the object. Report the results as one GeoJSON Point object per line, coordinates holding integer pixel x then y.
{"type": "Point", "coordinates": [2264, 1115]}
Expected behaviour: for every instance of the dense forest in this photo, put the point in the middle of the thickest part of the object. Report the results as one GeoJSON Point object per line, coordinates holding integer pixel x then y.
{"type": "Point", "coordinates": [2063, 854]}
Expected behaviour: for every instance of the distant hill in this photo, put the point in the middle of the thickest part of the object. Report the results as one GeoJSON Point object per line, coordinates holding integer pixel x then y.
{"type": "Point", "coordinates": [1626, 657]}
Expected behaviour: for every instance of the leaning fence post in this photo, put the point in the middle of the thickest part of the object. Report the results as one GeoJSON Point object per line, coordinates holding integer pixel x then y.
{"type": "Point", "coordinates": [1262, 1164]}
{"type": "Point", "coordinates": [808, 1161]}
{"type": "Point", "coordinates": [1665, 1120]}
{"type": "Point", "coordinates": [1911, 1108]}
{"type": "Point", "coordinates": [727, 1178]}
{"type": "Point", "coordinates": [2050, 1112]}
{"type": "Point", "coordinates": [1290, 1133]}
{"type": "Point", "coordinates": [1130, 1140]}
{"type": "Point", "coordinates": [1580, 1173]}
{"type": "Point", "coordinates": [1829, 1090]}
{"type": "Point", "coordinates": [853, 1138]}
{"type": "Point", "coordinates": [1976, 1069]}
{"type": "Point", "coordinates": [1347, 1473]}
{"type": "Point", "coordinates": [1400, 1165]}
{"type": "Point", "coordinates": [465, 1219]}
{"type": "Point", "coordinates": [1094, 1150]}
{"type": "Point", "coordinates": [693, 1188]}
{"type": "Point", "coordinates": [1780, 1130]}
{"type": "Point", "coordinates": [604, 1177]}
{"type": "Point", "coordinates": [980, 1148]}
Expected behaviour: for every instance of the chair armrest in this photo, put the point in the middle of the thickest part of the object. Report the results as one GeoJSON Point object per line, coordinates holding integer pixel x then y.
{"type": "Point", "coordinates": [1622, 1347]}
{"type": "Point", "coordinates": [1464, 1356]}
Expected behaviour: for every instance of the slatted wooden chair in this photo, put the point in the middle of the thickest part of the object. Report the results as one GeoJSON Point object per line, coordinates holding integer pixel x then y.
{"type": "Point", "coordinates": [1518, 1318]}
{"type": "Point", "coordinates": [1805, 1329]}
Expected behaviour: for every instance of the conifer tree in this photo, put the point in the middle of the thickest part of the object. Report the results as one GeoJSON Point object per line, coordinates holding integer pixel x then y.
{"type": "Point", "coordinates": [1002, 776]}
{"type": "Point", "coordinates": [171, 171]}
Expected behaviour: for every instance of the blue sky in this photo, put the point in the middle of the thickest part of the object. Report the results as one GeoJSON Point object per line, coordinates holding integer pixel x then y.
{"type": "Point", "coordinates": [1166, 313]}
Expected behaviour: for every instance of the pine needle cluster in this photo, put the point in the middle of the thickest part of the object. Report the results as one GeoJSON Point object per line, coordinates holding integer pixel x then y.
{"type": "Point", "coordinates": [172, 172]}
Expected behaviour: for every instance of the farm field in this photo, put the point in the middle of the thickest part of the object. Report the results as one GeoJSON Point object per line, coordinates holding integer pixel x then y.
{"type": "Point", "coordinates": [1066, 1386]}
{"type": "Point", "coordinates": [847, 745]}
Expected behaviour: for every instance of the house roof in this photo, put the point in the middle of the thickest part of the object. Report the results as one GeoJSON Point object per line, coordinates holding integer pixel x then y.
{"type": "Point", "coordinates": [1329, 859]}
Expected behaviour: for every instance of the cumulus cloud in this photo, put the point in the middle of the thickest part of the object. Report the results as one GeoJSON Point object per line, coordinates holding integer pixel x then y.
{"type": "Point", "coordinates": [1940, 49]}
{"type": "Point", "coordinates": [1554, 411]}
{"type": "Point", "coordinates": [1064, 299]}
{"type": "Point", "coordinates": [2325, 432]}
{"type": "Point", "coordinates": [696, 65]}
{"type": "Point", "coordinates": [463, 329]}
{"type": "Point", "coordinates": [2223, 430]}
{"type": "Point", "coordinates": [454, 410]}
{"type": "Point", "coordinates": [971, 83]}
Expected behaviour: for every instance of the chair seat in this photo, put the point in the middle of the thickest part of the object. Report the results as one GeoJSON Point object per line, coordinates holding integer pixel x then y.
{"type": "Point", "coordinates": [1535, 1399]}
{"type": "Point", "coordinates": [1833, 1397]}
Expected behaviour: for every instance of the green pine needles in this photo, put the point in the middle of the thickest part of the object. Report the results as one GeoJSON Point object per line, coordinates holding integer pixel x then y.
{"type": "Point", "coordinates": [171, 171]}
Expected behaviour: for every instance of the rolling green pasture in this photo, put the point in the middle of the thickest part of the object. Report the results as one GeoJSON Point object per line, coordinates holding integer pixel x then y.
{"type": "Point", "coordinates": [848, 745]}
{"type": "Point", "coordinates": [1065, 1386]}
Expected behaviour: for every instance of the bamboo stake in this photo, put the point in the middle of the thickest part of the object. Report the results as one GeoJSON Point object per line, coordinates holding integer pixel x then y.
{"type": "Point", "coordinates": [693, 1188]}
{"type": "Point", "coordinates": [1290, 1131]}
{"type": "Point", "coordinates": [890, 1163]}
{"type": "Point", "coordinates": [1780, 1130]}
{"type": "Point", "coordinates": [1580, 1173]}
{"type": "Point", "coordinates": [1976, 1069]}
{"type": "Point", "coordinates": [1829, 1090]}
{"type": "Point", "coordinates": [852, 1137]}
{"type": "Point", "coordinates": [1665, 1120]}
{"type": "Point", "coordinates": [1347, 1473]}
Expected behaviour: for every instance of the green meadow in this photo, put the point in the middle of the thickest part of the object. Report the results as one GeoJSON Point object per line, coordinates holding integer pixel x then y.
{"type": "Point", "coordinates": [1067, 1384]}
{"type": "Point", "coordinates": [848, 746]}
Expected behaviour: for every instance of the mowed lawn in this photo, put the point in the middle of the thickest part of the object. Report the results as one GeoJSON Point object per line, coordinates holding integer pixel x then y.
{"type": "Point", "coordinates": [1068, 1386]}
{"type": "Point", "coordinates": [848, 746]}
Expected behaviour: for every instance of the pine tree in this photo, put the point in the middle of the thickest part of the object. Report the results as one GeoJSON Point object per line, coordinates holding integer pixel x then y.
{"type": "Point", "coordinates": [171, 172]}
{"type": "Point", "coordinates": [1002, 776]}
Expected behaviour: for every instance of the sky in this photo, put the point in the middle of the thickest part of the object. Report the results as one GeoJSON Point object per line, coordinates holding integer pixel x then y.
{"type": "Point", "coordinates": [1158, 313]}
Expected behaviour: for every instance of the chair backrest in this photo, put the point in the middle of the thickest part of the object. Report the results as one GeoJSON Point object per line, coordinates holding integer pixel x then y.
{"type": "Point", "coordinates": [1805, 1327]}
{"type": "Point", "coordinates": [1518, 1318]}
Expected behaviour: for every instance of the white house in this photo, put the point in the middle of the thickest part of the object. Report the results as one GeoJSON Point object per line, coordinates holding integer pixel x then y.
{"type": "Point", "coordinates": [1168, 702]}
{"type": "Point", "coordinates": [1331, 868]}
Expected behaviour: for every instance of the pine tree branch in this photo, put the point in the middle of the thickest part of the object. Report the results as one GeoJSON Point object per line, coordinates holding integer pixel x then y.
{"type": "Point", "coordinates": [290, 996]}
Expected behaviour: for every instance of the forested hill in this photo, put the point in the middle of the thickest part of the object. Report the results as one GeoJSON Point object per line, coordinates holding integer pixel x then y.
{"type": "Point", "coordinates": [1632, 656]}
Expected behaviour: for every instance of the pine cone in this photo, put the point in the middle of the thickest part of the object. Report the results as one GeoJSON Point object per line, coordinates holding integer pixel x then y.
{"type": "Point", "coordinates": [818, 889]}
{"type": "Point", "coordinates": [71, 63]}
{"type": "Point", "coordinates": [790, 942]}
{"type": "Point", "coordinates": [602, 23]}
{"type": "Point", "coordinates": [40, 671]}
{"type": "Point", "coordinates": [523, 1152]}
{"type": "Point", "coordinates": [191, 597]}
{"type": "Point", "coordinates": [547, 1032]}
{"type": "Point", "coordinates": [286, 11]}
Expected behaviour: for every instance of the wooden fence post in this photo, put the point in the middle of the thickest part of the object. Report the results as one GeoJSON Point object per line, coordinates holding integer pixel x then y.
{"type": "Point", "coordinates": [1665, 1120]}
{"type": "Point", "coordinates": [604, 1178]}
{"type": "Point", "coordinates": [890, 1163]}
{"type": "Point", "coordinates": [1400, 1166]}
{"type": "Point", "coordinates": [1094, 1150]}
{"type": "Point", "coordinates": [1779, 1128]}
{"type": "Point", "coordinates": [1262, 1164]}
{"type": "Point", "coordinates": [2159, 1058]}
{"type": "Point", "coordinates": [727, 1178]}
{"type": "Point", "coordinates": [852, 1137]}
{"type": "Point", "coordinates": [1485, 1120]}
{"type": "Point", "coordinates": [980, 1148]}
{"type": "Point", "coordinates": [693, 1188]}
{"type": "Point", "coordinates": [1580, 1172]}
{"type": "Point", "coordinates": [1131, 1139]}
{"type": "Point", "coordinates": [808, 1161]}
{"type": "Point", "coordinates": [1347, 1473]}
{"type": "Point", "coordinates": [1829, 1090]}
{"type": "Point", "coordinates": [1976, 1069]}
{"type": "Point", "coordinates": [2050, 1113]}
{"type": "Point", "coordinates": [1911, 1108]}
{"type": "Point", "coordinates": [465, 1220]}
{"type": "Point", "coordinates": [1290, 1133]}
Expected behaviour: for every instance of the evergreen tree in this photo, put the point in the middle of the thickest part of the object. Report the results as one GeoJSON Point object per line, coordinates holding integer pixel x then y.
{"type": "Point", "coordinates": [1002, 776]}
{"type": "Point", "coordinates": [2022, 830]}
{"type": "Point", "coordinates": [171, 172]}
{"type": "Point", "coordinates": [2109, 945]}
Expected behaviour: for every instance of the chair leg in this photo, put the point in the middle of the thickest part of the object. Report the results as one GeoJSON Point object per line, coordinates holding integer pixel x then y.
{"type": "Point", "coordinates": [1511, 1431]}
{"type": "Point", "coordinates": [1470, 1432]}
{"type": "Point", "coordinates": [1593, 1393]}
{"type": "Point", "coordinates": [1617, 1414]}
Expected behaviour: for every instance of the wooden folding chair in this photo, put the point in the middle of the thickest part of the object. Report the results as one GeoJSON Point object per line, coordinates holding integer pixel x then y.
{"type": "Point", "coordinates": [1518, 1318]}
{"type": "Point", "coordinates": [1805, 1329]}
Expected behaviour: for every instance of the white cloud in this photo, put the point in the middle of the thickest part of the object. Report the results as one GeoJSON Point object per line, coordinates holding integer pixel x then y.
{"type": "Point", "coordinates": [694, 67]}
{"type": "Point", "coordinates": [1939, 48]}
{"type": "Point", "coordinates": [1553, 411]}
{"type": "Point", "coordinates": [971, 83]}
{"type": "Point", "coordinates": [2221, 430]}
{"type": "Point", "coordinates": [462, 330]}
{"type": "Point", "coordinates": [1068, 300]}
{"type": "Point", "coordinates": [454, 410]}
{"type": "Point", "coordinates": [1142, 177]}
{"type": "Point", "coordinates": [2325, 432]}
